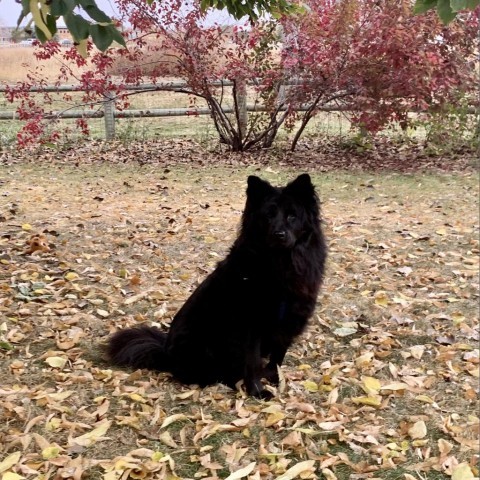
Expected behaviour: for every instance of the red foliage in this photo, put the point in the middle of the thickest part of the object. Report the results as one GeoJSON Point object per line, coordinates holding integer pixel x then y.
{"type": "Point", "coordinates": [378, 58]}
{"type": "Point", "coordinates": [373, 57]}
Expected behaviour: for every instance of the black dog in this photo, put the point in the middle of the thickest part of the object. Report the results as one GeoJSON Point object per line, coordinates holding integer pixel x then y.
{"type": "Point", "coordinates": [252, 306]}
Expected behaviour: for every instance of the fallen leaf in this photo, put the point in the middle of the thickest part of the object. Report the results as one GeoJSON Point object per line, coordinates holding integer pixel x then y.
{"type": "Point", "coordinates": [345, 331]}
{"type": "Point", "coordinates": [242, 472]}
{"type": "Point", "coordinates": [372, 401]}
{"type": "Point", "coordinates": [11, 476]}
{"type": "Point", "coordinates": [56, 362]}
{"type": "Point", "coordinates": [51, 452]}
{"type": "Point", "coordinates": [307, 465]}
{"type": "Point", "coordinates": [417, 351]}
{"type": "Point", "coordinates": [381, 299]}
{"type": "Point", "coordinates": [418, 430]}
{"type": "Point", "coordinates": [10, 461]}
{"type": "Point", "coordinates": [70, 276]}
{"type": "Point", "coordinates": [274, 418]}
{"type": "Point", "coordinates": [371, 385]}
{"type": "Point", "coordinates": [173, 418]}
{"type": "Point", "coordinates": [93, 436]}
{"type": "Point", "coordinates": [310, 386]}
{"type": "Point", "coordinates": [462, 472]}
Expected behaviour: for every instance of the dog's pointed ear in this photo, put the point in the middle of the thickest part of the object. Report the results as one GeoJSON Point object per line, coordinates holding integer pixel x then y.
{"type": "Point", "coordinates": [301, 187]}
{"type": "Point", "coordinates": [257, 188]}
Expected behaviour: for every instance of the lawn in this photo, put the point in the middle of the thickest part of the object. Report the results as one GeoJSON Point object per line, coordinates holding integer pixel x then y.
{"type": "Point", "coordinates": [383, 385]}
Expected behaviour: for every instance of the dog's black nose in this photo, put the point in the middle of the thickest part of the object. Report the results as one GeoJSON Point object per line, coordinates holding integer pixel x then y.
{"type": "Point", "coordinates": [281, 234]}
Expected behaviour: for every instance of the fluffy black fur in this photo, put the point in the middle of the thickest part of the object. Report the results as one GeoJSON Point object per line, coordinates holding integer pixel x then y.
{"type": "Point", "coordinates": [240, 321]}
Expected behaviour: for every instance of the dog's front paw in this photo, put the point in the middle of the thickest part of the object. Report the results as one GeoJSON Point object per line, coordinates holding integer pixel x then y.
{"type": "Point", "coordinates": [256, 389]}
{"type": "Point", "coordinates": [266, 394]}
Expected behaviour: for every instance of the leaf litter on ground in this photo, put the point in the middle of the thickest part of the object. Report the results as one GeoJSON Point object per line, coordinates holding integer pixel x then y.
{"type": "Point", "coordinates": [384, 384]}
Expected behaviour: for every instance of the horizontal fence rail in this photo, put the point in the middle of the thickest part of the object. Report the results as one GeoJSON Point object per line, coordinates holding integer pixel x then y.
{"type": "Point", "coordinates": [156, 112]}
{"type": "Point", "coordinates": [107, 109]}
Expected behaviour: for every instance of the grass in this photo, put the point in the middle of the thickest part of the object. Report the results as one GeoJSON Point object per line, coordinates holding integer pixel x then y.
{"type": "Point", "coordinates": [111, 223]}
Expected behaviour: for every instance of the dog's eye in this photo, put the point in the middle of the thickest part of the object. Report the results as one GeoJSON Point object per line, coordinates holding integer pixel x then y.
{"type": "Point", "coordinates": [291, 218]}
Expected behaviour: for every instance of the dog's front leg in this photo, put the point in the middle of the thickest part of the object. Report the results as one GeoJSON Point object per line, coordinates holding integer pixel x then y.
{"type": "Point", "coordinates": [253, 371]}
{"type": "Point", "coordinates": [279, 346]}
{"type": "Point", "coordinates": [276, 359]}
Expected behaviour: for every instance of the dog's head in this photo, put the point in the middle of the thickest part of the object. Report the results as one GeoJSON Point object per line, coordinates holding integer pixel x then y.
{"type": "Point", "coordinates": [280, 216]}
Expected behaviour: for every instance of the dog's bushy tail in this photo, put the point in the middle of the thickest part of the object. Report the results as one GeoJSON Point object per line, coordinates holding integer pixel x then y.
{"type": "Point", "coordinates": [140, 347]}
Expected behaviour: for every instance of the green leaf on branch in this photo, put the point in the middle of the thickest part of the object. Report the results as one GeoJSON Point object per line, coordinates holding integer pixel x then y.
{"type": "Point", "coordinates": [117, 36]}
{"type": "Point", "coordinates": [422, 6]}
{"type": "Point", "coordinates": [445, 11]}
{"type": "Point", "coordinates": [94, 12]}
{"type": "Point", "coordinates": [59, 8]}
{"type": "Point", "coordinates": [77, 25]}
{"type": "Point", "coordinates": [101, 35]}
{"type": "Point", "coordinates": [458, 5]}
{"type": "Point", "coordinates": [51, 24]}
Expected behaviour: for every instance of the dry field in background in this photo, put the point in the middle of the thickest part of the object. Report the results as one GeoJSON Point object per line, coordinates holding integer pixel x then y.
{"type": "Point", "coordinates": [384, 384]}
{"type": "Point", "coordinates": [17, 61]}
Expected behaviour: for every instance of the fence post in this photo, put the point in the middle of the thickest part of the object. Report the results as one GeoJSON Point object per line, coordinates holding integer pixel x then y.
{"type": "Point", "coordinates": [108, 112]}
{"type": "Point", "coordinates": [241, 94]}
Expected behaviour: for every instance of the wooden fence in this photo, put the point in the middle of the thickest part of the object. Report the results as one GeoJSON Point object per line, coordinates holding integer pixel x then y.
{"type": "Point", "coordinates": [110, 113]}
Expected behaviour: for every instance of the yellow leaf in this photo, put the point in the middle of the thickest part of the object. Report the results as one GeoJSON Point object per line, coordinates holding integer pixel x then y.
{"type": "Point", "coordinates": [420, 443]}
{"type": "Point", "coordinates": [81, 46]}
{"type": "Point", "coordinates": [307, 465]}
{"type": "Point", "coordinates": [50, 452]}
{"type": "Point", "coordinates": [274, 418]}
{"type": "Point", "coordinates": [9, 461]}
{"type": "Point", "coordinates": [56, 362]}
{"type": "Point", "coordinates": [137, 398]}
{"type": "Point", "coordinates": [457, 318]}
{"type": "Point", "coordinates": [167, 439]}
{"type": "Point", "coordinates": [372, 401]}
{"type": "Point", "coordinates": [371, 385]}
{"type": "Point", "coordinates": [381, 299]}
{"type": "Point", "coordinates": [310, 386]}
{"type": "Point", "coordinates": [27, 227]}
{"type": "Point", "coordinates": [418, 430]}
{"type": "Point", "coordinates": [462, 472]}
{"type": "Point", "coordinates": [395, 386]}
{"type": "Point", "coordinates": [70, 276]}
{"type": "Point", "coordinates": [364, 359]}
{"type": "Point", "coordinates": [424, 398]}
{"type": "Point", "coordinates": [11, 476]}
{"type": "Point", "coordinates": [173, 418]}
{"type": "Point", "coordinates": [242, 472]}
{"type": "Point", "coordinates": [94, 435]}
{"type": "Point", "coordinates": [53, 424]}
{"type": "Point", "coordinates": [156, 456]}
{"type": "Point", "coordinates": [304, 366]}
